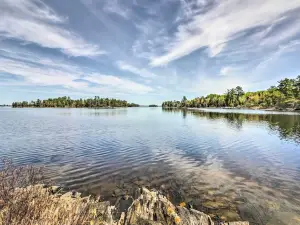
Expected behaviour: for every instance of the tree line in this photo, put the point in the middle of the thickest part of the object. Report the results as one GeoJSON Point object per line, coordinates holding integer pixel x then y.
{"type": "Point", "coordinates": [67, 102]}
{"type": "Point", "coordinates": [285, 95]}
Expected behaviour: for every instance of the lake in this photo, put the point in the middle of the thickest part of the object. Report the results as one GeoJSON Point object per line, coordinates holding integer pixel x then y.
{"type": "Point", "coordinates": [232, 163]}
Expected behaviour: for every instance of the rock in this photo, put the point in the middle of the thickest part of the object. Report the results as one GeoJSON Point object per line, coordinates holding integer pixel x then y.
{"type": "Point", "coordinates": [71, 194]}
{"type": "Point", "coordinates": [124, 203]}
{"type": "Point", "coordinates": [155, 209]}
{"type": "Point", "coordinates": [214, 205]}
{"type": "Point", "coordinates": [118, 193]}
{"type": "Point", "coordinates": [238, 223]}
{"type": "Point", "coordinates": [297, 106]}
{"type": "Point", "coordinates": [280, 218]}
{"type": "Point", "coordinates": [54, 189]}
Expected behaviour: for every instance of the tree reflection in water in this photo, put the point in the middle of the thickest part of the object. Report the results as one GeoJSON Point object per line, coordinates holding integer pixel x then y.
{"type": "Point", "coordinates": [287, 126]}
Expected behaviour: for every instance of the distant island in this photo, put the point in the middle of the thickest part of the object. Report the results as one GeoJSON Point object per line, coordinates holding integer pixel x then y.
{"type": "Point", "coordinates": [4, 105]}
{"type": "Point", "coordinates": [153, 105]}
{"type": "Point", "coordinates": [284, 96]}
{"type": "Point", "coordinates": [67, 102]}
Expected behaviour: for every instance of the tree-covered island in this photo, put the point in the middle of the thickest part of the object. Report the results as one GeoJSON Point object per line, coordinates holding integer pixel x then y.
{"type": "Point", "coordinates": [67, 102]}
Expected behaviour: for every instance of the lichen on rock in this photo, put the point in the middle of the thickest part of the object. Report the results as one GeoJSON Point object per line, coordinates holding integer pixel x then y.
{"type": "Point", "coordinates": [153, 208]}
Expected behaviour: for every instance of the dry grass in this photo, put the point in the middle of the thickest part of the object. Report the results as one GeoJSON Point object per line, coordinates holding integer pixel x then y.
{"type": "Point", "coordinates": [23, 202]}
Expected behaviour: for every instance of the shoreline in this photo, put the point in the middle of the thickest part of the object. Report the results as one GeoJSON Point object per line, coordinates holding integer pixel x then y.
{"type": "Point", "coordinates": [45, 203]}
{"type": "Point", "coordinates": [272, 109]}
{"type": "Point", "coordinates": [116, 107]}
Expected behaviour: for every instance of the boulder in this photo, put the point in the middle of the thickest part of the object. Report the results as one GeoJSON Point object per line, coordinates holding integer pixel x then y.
{"type": "Point", "coordinates": [152, 208]}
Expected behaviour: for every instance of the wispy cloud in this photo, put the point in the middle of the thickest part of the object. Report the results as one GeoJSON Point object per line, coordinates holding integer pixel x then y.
{"type": "Point", "coordinates": [191, 8]}
{"type": "Point", "coordinates": [34, 74]}
{"type": "Point", "coordinates": [42, 71]}
{"type": "Point", "coordinates": [225, 71]}
{"type": "Point", "coordinates": [118, 83]}
{"type": "Point", "coordinates": [24, 56]}
{"type": "Point", "coordinates": [215, 28]}
{"type": "Point", "coordinates": [33, 21]}
{"type": "Point", "coordinates": [290, 47]}
{"type": "Point", "coordinates": [152, 37]}
{"type": "Point", "coordinates": [291, 29]}
{"type": "Point", "coordinates": [140, 72]}
{"type": "Point", "coordinates": [114, 6]}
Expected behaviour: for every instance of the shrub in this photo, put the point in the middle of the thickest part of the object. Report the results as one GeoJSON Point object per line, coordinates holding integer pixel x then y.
{"type": "Point", "coordinates": [23, 201]}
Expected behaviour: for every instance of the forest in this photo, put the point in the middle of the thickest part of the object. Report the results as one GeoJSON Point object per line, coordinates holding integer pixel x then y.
{"type": "Point", "coordinates": [67, 102]}
{"type": "Point", "coordinates": [285, 95]}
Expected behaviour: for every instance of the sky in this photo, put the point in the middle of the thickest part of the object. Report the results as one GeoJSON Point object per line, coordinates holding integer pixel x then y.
{"type": "Point", "coordinates": [145, 51]}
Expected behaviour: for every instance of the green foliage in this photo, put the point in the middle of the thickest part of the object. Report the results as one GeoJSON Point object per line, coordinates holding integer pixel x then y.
{"type": "Point", "coordinates": [67, 102]}
{"type": "Point", "coordinates": [285, 95]}
{"type": "Point", "coordinates": [183, 101]}
{"type": "Point", "coordinates": [286, 87]}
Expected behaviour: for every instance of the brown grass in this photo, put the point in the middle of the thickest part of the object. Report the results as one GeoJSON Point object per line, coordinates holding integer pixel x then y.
{"type": "Point", "coordinates": [23, 202]}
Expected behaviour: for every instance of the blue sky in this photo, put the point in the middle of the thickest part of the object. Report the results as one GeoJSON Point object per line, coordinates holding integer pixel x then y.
{"type": "Point", "coordinates": [145, 51]}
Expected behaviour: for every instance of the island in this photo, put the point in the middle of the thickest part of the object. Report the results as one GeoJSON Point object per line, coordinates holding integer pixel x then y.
{"type": "Point", "coordinates": [153, 105]}
{"type": "Point", "coordinates": [284, 96]}
{"type": "Point", "coordinates": [67, 102]}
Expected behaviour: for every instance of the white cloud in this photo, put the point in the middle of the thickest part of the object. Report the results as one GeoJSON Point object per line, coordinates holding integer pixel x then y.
{"type": "Point", "coordinates": [190, 8]}
{"type": "Point", "coordinates": [291, 30]}
{"type": "Point", "coordinates": [119, 83]}
{"type": "Point", "coordinates": [18, 54]}
{"type": "Point", "coordinates": [215, 28]}
{"type": "Point", "coordinates": [113, 6]}
{"type": "Point", "coordinates": [140, 72]}
{"type": "Point", "coordinates": [152, 38]}
{"type": "Point", "coordinates": [34, 22]}
{"type": "Point", "coordinates": [41, 11]}
{"type": "Point", "coordinates": [34, 74]}
{"type": "Point", "coordinates": [227, 70]}
{"type": "Point", "coordinates": [42, 71]}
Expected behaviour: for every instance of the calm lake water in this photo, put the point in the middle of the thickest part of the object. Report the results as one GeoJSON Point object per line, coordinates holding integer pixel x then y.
{"type": "Point", "coordinates": [235, 164]}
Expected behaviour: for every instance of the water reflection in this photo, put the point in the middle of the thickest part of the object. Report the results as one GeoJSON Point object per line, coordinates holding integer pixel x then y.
{"type": "Point", "coordinates": [257, 174]}
{"type": "Point", "coordinates": [229, 164]}
{"type": "Point", "coordinates": [286, 125]}
{"type": "Point", "coordinates": [104, 112]}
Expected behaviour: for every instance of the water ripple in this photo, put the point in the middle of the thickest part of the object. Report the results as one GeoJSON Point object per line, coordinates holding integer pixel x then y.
{"type": "Point", "coordinates": [199, 154]}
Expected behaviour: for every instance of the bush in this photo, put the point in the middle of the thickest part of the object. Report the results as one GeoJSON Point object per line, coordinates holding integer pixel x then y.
{"type": "Point", "coordinates": [23, 201]}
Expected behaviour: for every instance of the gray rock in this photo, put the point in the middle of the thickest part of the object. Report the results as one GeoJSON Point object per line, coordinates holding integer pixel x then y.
{"type": "Point", "coordinates": [71, 194]}
{"type": "Point", "coordinates": [155, 209]}
{"type": "Point", "coordinates": [55, 189]}
{"type": "Point", "coordinates": [238, 223]}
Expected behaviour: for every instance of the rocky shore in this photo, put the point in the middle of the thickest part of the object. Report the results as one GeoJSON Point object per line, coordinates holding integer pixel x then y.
{"type": "Point", "coordinates": [271, 109]}
{"type": "Point", "coordinates": [146, 207]}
